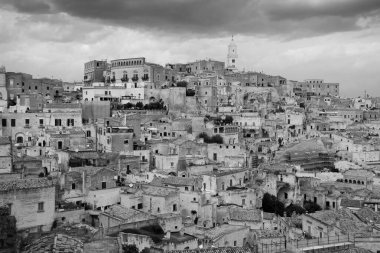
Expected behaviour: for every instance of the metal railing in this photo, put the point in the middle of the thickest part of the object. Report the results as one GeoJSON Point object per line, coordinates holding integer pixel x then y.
{"type": "Point", "coordinates": [322, 241]}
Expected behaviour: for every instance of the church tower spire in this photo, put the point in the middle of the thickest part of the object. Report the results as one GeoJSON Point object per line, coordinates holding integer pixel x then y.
{"type": "Point", "coordinates": [232, 55]}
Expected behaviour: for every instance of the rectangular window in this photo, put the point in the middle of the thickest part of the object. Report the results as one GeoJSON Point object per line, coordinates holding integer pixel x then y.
{"type": "Point", "coordinates": [73, 186]}
{"type": "Point", "coordinates": [60, 144]}
{"type": "Point", "coordinates": [27, 122]}
{"type": "Point", "coordinates": [10, 208]}
{"type": "Point", "coordinates": [41, 121]}
{"type": "Point", "coordinates": [40, 206]}
{"type": "Point", "coordinates": [104, 185]}
{"type": "Point", "coordinates": [243, 202]}
{"type": "Point", "coordinates": [70, 122]}
{"type": "Point", "coordinates": [4, 122]}
{"type": "Point", "coordinates": [174, 207]}
{"type": "Point", "coordinates": [13, 122]}
{"type": "Point", "coordinates": [58, 122]}
{"type": "Point", "coordinates": [140, 206]}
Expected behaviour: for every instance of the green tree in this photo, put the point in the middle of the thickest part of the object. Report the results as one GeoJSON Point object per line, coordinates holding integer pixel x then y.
{"type": "Point", "coordinates": [228, 119]}
{"type": "Point", "coordinates": [182, 84]}
{"type": "Point", "coordinates": [216, 139]}
{"type": "Point", "coordinates": [311, 207]}
{"type": "Point", "coordinates": [292, 208]}
{"type": "Point", "coordinates": [128, 105]}
{"type": "Point", "coordinates": [272, 205]}
{"type": "Point", "coordinates": [205, 137]}
{"type": "Point", "coordinates": [139, 105]}
{"type": "Point", "coordinates": [130, 249]}
{"type": "Point", "coordinates": [190, 93]}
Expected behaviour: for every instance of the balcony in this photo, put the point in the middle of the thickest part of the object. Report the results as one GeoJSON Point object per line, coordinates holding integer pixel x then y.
{"type": "Point", "coordinates": [41, 126]}
{"type": "Point", "coordinates": [27, 126]}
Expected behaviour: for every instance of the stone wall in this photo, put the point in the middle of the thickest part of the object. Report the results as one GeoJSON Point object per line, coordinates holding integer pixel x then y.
{"type": "Point", "coordinates": [71, 217]}
{"type": "Point", "coordinates": [25, 207]}
{"type": "Point", "coordinates": [141, 241]}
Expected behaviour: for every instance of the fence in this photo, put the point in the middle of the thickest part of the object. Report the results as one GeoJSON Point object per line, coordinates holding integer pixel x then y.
{"type": "Point", "coordinates": [322, 241]}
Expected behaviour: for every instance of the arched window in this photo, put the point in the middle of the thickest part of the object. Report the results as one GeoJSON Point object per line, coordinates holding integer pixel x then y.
{"type": "Point", "coordinates": [19, 139]}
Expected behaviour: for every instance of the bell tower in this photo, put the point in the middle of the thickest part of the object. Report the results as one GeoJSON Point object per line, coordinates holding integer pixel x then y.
{"type": "Point", "coordinates": [232, 55]}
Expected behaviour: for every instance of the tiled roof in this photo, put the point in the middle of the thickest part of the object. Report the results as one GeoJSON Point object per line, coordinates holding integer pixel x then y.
{"type": "Point", "coordinates": [159, 191]}
{"type": "Point", "coordinates": [359, 173]}
{"type": "Point", "coordinates": [219, 231]}
{"type": "Point", "coordinates": [225, 172]}
{"type": "Point", "coordinates": [240, 214]}
{"type": "Point", "coordinates": [29, 183]}
{"type": "Point", "coordinates": [175, 181]}
{"type": "Point", "coordinates": [307, 146]}
{"type": "Point", "coordinates": [84, 154]}
{"type": "Point", "coordinates": [367, 215]}
{"type": "Point", "coordinates": [342, 218]}
{"type": "Point", "coordinates": [63, 105]}
{"type": "Point", "coordinates": [89, 170]}
{"type": "Point", "coordinates": [55, 243]}
{"type": "Point", "coordinates": [127, 213]}
{"type": "Point", "coordinates": [216, 250]}
{"type": "Point", "coordinates": [351, 203]}
{"type": "Point", "coordinates": [264, 233]}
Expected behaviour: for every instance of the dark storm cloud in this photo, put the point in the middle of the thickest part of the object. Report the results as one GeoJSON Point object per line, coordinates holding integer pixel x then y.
{"type": "Point", "coordinates": [32, 6]}
{"type": "Point", "coordinates": [301, 10]}
{"type": "Point", "coordinates": [216, 17]}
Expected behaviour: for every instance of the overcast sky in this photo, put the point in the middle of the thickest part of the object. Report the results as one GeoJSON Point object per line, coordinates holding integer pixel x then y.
{"type": "Point", "coordinates": [336, 40]}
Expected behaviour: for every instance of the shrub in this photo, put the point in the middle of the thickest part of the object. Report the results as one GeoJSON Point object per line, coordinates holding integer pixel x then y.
{"type": "Point", "coordinates": [271, 204]}
{"type": "Point", "coordinates": [214, 139]}
{"type": "Point", "coordinates": [130, 249]}
{"type": "Point", "coordinates": [311, 207]}
{"type": "Point", "coordinates": [182, 84]}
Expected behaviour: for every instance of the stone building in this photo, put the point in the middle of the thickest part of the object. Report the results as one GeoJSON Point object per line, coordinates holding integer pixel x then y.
{"type": "Point", "coordinates": [5, 155]}
{"type": "Point", "coordinates": [31, 201]}
{"type": "Point", "coordinates": [134, 70]}
{"type": "Point", "coordinates": [316, 87]}
{"type": "Point", "coordinates": [94, 71]}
